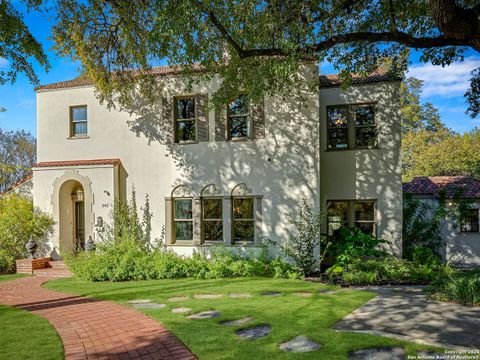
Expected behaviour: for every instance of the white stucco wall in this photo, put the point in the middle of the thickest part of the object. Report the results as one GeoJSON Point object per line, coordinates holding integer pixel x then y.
{"type": "Point", "coordinates": [283, 167]}
{"type": "Point", "coordinates": [370, 174]}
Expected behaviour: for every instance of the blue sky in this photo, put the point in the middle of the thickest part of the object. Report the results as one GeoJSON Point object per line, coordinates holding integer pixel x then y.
{"type": "Point", "coordinates": [444, 87]}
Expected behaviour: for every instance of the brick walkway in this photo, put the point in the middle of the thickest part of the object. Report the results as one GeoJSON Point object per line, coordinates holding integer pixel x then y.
{"type": "Point", "coordinates": [93, 329]}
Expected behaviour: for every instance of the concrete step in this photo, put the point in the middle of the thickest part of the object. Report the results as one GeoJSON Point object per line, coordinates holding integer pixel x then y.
{"type": "Point", "coordinates": [58, 264]}
{"type": "Point", "coordinates": [52, 272]}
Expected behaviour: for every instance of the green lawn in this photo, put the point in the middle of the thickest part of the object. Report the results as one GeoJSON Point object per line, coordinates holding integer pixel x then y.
{"type": "Point", "coordinates": [288, 315]}
{"type": "Point", "coordinates": [26, 336]}
{"type": "Point", "coordinates": [11, 277]}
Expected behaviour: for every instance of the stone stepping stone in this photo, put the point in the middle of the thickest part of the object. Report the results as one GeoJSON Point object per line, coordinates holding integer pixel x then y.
{"type": "Point", "coordinates": [140, 301]}
{"type": "Point", "coordinates": [149, 306]}
{"type": "Point", "coordinates": [327, 292]}
{"type": "Point", "coordinates": [181, 310]}
{"type": "Point", "coordinates": [178, 298]}
{"type": "Point", "coordinates": [240, 295]}
{"type": "Point", "coordinates": [271, 293]}
{"type": "Point", "coordinates": [299, 344]}
{"type": "Point", "coordinates": [236, 322]}
{"type": "Point", "coordinates": [208, 296]}
{"type": "Point", "coordinates": [204, 315]}
{"type": "Point", "coordinates": [253, 333]}
{"type": "Point", "coordinates": [303, 293]}
{"type": "Point", "coordinates": [396, 353]}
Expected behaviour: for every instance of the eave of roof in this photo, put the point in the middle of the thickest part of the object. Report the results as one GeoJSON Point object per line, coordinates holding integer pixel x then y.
{"type": "Point", "coordinates": [333, 80]}
{"type": "Point", "coordinates": [94, 162]}
{"type": "Point", "coordinates": [18, 183]}
{"type": "Point", "coordinates": [432, 185]}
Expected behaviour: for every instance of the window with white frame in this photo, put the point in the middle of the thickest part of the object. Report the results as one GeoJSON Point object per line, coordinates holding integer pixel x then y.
{"type": "Point", "coordinates": [243, 219]}
{"type": "Point", "coordinates": [78, 121]}
{"type": "Point", "coordinates": [183, 219]}
{"type": "Point", "coordinates": [212, 219]}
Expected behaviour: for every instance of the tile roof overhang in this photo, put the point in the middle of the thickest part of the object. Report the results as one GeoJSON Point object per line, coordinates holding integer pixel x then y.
{"type": "Point", "coordinates": [95, 162]}
{"type": "Point", "coordinates": [468, 186]}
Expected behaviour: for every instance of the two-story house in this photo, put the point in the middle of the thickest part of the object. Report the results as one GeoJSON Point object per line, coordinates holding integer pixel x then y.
{"type": "Point", "coordinates": [231, 175]}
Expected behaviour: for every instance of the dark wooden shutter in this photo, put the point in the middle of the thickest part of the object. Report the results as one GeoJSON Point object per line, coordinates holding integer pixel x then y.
{"type": "Point", "coordinates": [202, 117]}
{"type": "Point", "coordinates": [167, 114]}
{"type": "Point", "coordinates": [258, 120]}
{"type": "Point", "coordinates": [220, 123]}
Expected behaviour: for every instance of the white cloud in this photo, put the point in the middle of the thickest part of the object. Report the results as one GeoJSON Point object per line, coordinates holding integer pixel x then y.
{"type": "Point", "coordinates": [3, 62]}
{"type": "Point", "coordinates": [448, 82]}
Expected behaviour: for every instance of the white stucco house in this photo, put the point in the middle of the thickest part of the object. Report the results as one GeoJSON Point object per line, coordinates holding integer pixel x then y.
{"type": "Point", "coordinates": [461, 240]}
{"type": "Point", "coordinates": [229, 176]}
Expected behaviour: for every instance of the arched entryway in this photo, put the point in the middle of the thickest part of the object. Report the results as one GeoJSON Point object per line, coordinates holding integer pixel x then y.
{"type": "Point", "coordinates": [72, 202]}
{"type": "Point", "coordinates": [72, 216]}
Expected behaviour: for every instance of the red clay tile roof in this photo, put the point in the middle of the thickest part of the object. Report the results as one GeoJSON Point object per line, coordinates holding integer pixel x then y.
{"type": "Point", "coordinates": [431, 185]}
{"type": "Point", "coordinates": [18, 183]}
{"type": "Point", "coordinates": [86, 81]}
{"type": "Point", "coordinates": [78, 163]}
{"type": "Point", "coordinates": [333, 80]}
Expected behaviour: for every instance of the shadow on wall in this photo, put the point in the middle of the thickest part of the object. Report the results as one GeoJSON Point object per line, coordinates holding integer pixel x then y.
{"type": "Point", "coordinates": [371, 173]}
{"type": "Point", "coordinates": [283, 167]}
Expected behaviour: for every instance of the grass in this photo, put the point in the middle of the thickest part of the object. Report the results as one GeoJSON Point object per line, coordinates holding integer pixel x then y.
{"type": "Point", "coordinates": [8, 277]}
{"type": "Point", "coordinates": [26, 336]}
{"type": "Point", "coordinates": [288, 315]}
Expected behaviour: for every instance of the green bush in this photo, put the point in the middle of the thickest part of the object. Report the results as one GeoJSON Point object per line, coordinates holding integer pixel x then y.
{"type": "Point", "coordinates": [351, 243]}
{"type": "Point", "coordinates": [387, 270]}
{"type": "Point", "coordinates": [18, 221]}
{"type": "Point", "coordinates": [456, 285]}
{"type": "Point", "coordinates": [127, 260]}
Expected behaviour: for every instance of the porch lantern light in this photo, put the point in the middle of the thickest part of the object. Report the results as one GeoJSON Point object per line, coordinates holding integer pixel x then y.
{"type": "Point", "coordinates": [80, 195]}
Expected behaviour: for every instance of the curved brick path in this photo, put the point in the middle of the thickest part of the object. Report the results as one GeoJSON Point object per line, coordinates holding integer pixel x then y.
{"type": "Point", "coordinates": [93, 329]}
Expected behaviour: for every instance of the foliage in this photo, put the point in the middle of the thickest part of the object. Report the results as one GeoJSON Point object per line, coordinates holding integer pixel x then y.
{"type": "Point", "coordinates": [423, 224]}
{"type": "Point", "coordinates": [17, 156]}
{"type": "Point", "coordinates": [254, 45]}
{"type": "Point", "coordinates": [460, 286]}
{"type": "Point", "coordinates": [351, 243]}
{"type": "Point", "coordinates": [302, 243]}
{"type": "Point", "coordinates": [127, 260]}
{"type": "Point", "coordinates": [18, 221]}
{"type": "Point", "coordinates": [387, 270]}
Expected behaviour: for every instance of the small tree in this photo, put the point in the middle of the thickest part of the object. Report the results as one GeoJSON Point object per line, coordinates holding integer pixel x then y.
{"type": "Point", "coordinates": [307, 237]}
{"type": "Point", "coordinates": [18, 221]}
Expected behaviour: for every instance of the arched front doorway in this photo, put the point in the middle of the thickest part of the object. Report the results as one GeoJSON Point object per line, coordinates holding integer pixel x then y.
{"type": "Point", "coordinates": [71, 216]}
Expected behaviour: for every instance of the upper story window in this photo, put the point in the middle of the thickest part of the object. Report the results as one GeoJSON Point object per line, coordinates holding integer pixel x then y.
{"type": "Point", "coordinates": [348, 213]}
{"type": "Point", "coordinates": [351, 127]}
{"type": "Point", "coordinates": [239, 126]}
{"type": "Point", "coordinates": [470, 223]}
{"type": "Point", "coordinates": [185, 120]}
{"type": "Point", "coordinates": [78, 121]}
{"type": "Point", "coordinates": [183, 218]}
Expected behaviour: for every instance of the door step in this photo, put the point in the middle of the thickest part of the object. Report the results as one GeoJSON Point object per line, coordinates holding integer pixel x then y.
{"type": "Point", "coordinates": [54, 272]}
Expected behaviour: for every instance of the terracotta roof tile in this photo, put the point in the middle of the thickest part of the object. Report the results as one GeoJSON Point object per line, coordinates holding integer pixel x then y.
{"type": "Point", "coordinates": [86, 81]}
{"type": "Point", "coordinates": [333, 80]}
{"type": "Point", "coordinates": [431, 185]}
{"type": "Point", "coordinates": [78, 163]}
{"type": "Point", "coordinates": [18, 183]}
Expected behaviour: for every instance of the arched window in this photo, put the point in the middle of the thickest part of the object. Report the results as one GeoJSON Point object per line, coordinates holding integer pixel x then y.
{"type": "Point", "coordinates": [243, 215]}
{"type": "Point", "coordinates": [212, 214]}
{"type": "Point", "coordinates": [182, 214]}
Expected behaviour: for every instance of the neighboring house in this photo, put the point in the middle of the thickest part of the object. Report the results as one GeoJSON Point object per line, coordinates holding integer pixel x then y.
{"type": "Point", "coordinates": [24, 187]}
{"type": "Point", "coordinates": [462, 240]}
{"type": "Point", "coordinates": [231, 176]}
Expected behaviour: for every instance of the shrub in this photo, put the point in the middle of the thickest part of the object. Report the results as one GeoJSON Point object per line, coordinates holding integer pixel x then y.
{"type": "Point", "coordinates": [352, 243]}
{"type": "Point", "coordinates": [302, 242]}
{"type": "Point", "coordinates": [387, 270]}
{"type": "Point", "coordinates": [460, 286]}
{"type": "Point", "coordinates": [18, 221]}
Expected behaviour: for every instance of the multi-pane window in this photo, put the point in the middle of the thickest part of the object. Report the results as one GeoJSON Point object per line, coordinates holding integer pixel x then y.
{"type": "Point", "coordinates": [243, 220]}
{"type": "Point", "coordinates": [239, 118]}
{"type": "Point", "coordinates": [351, 127]}
{"type": "Point", "coordinates": [337, 128]}
{"type": "Point", "coordinates": [183, 219]}
{"type": "Point", "coordinates": [470, 222]}
{"type": "Point", "coordinates": [185, 120]}
{"type": "Point", "coordinates": [349, 213]}
{"type": "Point", "coordinates": [212, 219]}
{"type": "Point", "coordinates": [78, 121]}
